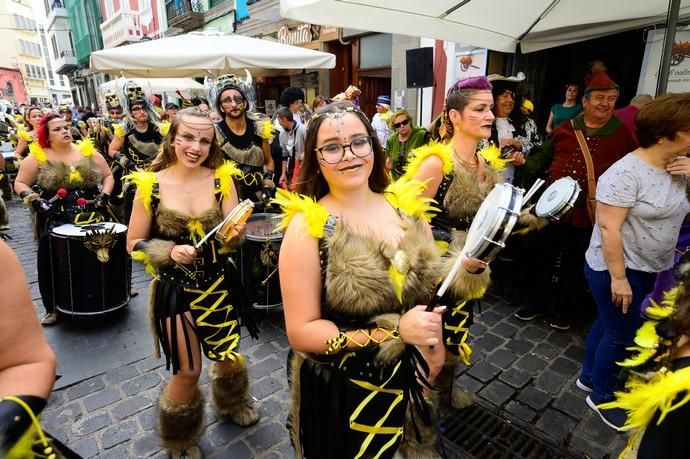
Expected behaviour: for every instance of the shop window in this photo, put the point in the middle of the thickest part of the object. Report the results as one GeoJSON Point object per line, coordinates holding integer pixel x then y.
{"type": "Point", "coordinates": [375, 51]}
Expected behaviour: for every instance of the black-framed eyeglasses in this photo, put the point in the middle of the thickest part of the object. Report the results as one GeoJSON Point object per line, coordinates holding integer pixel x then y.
{"type": "Point", "coordinates": [137, 109]}
{"type": "Point", "coordinates": [236, 98]}
{"type": "Point", "coordinates": [333, 153]}
{"type": "Point", "coordinates": [404, 122]}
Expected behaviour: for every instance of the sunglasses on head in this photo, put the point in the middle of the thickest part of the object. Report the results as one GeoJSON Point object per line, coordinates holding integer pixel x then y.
{"type": "Point", "coordinates": [400, 124]}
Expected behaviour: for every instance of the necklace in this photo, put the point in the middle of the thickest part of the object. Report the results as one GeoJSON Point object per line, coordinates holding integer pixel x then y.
{"type": "Point", "coordinates": [469, 165]}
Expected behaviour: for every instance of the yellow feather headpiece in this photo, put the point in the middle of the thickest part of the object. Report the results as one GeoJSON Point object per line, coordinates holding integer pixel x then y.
{"type": "Point", "coordinates": [315, 215]}
{"type": "Point", "coordinates": [406, 195]}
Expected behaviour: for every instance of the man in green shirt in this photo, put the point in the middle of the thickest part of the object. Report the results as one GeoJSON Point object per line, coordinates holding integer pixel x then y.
{"type": "Point", "coordinates": [405, 139]}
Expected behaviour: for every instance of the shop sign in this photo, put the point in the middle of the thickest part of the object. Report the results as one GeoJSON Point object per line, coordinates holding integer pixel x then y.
{"type": "Point", "coordinates": [679, 73]}
{"type": "Point", "coordinates": [303, 33]}
{"type": "Point", "coordinates": [79, 80]}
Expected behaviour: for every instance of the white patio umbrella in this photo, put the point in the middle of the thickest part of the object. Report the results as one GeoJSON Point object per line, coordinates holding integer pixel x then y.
{"type": "Point", "coordinates": [159, 85]}
{"type": "Point", "coordinates": [200, 54]}
{"type": "Point", "coordinates": [495, 24]}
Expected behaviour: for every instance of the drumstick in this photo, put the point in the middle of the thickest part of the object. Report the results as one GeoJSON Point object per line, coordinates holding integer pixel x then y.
{"type": "Point", "coordinates": [538, 184]}
{"type": "Point", "coordinates": [446, 283]}
{"type": "Point", "coordinates": [211, 233]}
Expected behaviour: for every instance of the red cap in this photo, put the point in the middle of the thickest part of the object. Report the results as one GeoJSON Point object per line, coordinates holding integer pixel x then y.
{"type": "Point", "coordinates": [598, 79]}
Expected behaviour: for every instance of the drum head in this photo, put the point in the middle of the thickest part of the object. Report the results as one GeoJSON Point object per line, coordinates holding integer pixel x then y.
{"type": "Point", "coordinates": [556, 197]}
{"type": "Point", "coordinates": [260, 227]}
{"type": "Point", "coordinates": [70, 230]}
{"type": "Point", "coordinates": [493, 222]}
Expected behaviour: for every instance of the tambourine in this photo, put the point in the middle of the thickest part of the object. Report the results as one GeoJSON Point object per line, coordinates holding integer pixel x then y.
{"type": "Point", "coordinates": [494, 222]}
{"type": "Point", "coordinates": [557, 199]}
{"type": "Point", "coordinates": [238, 215]}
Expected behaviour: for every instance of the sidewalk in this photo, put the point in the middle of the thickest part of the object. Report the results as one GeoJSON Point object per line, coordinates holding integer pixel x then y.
{"type": "Point", "coordinates": [103, 405]}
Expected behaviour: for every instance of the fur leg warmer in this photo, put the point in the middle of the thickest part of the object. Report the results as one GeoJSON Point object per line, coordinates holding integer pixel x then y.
{"type": "Point", "coordinates": [231, 395]}
{"type": "Point", "coordinates": [179, 425]}
{"type": "Point", "coordinates": [448, 391]}
{"type": "Point", "coordinates": [413, 448]}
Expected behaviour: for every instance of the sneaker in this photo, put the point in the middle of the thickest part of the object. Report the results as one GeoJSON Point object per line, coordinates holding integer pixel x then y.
{"type": "Point", "coordinates": [559, 323]}
{"type": "Point", "coordinates": [50, 318]}
{"type": "Point", "coordinates": [530, 313]}
{"type": "Point", "coordinates": [614, 417]}
{"type": "Point", "coordinates": [582, 386]}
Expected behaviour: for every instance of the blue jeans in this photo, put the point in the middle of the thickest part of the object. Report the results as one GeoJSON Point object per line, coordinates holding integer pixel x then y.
{"type": "Point", "coordinates": [612, 332]}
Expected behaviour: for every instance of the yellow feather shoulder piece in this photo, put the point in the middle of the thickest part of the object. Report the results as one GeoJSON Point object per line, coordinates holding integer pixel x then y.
{"type": "Point", "coordinates": [225, 174]}
{"type": "Point", "coordinates": [141, 257]}
{"type": "Point", "coordinates": [86, 147]}
{"type": "Point", "coordinates": [37, 151]}
{"type": "Point", "coordinates": [667, 307]}
{"type": "Point", "coordinates": [492, 155]}
{"type": "Point", "coordinates": [119, 130]}
{"type": "Point", "coordinates": [25, 136]}
{"type": "Point", "coordinates": [418, 155]}
{"type": "Point", "coordinates": [406, 195]}
{"type": "Point", "coordinates": [144, 182]}
{"type": "Point", "coordinates": [642, 399]}
{"type": "Point", "coordinates": [315, 215]}
{"type": "Point", "coordinates": [264, 129]}
{"type": "Point", "coordinates": [164, 127]}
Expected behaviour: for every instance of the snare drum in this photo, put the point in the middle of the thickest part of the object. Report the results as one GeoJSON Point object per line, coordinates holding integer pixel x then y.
{"type": "Point", "coordinates": [557, 199]}
{"type": "Point", "coordinates": [493, 222]}
{"type": "Point", "coordinates": [82, 284]}
{"type": "Point", "coordinates": [260, 262]}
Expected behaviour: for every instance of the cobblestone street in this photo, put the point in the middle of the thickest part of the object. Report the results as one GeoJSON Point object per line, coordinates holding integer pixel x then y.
{"type": "Point", "coordinates": [103, 404]}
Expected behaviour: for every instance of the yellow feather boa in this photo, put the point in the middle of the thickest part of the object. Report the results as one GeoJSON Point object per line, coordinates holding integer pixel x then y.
{"type": "Point", "coordinates": [37, 152]}
{"type": "Point", "coordinates": [25, 135]}
{"type": "Point", "coordinates": [86, 147]}
{"type": "Point", "coordinates": [406, 195]}
{"type": "Point", "coordinates": [225, 174]}
{"type": "Point", "coordinates": [264, 129]}
{"type": "Point", "coordinates": [315, 215]}
{"type": "Point", "coordinates": [418, 155]}
{"type": "Point", "coordinates": [144, 182]}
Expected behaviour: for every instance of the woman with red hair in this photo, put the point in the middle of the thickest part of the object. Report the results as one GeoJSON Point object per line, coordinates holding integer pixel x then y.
{"type": "Point", "coordinates": [55, 164]}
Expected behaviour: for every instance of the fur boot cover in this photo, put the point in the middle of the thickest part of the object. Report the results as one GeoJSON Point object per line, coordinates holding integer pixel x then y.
{"type": "Point", "coordinates": [449, 393]}
{"type": "Point", "coordinates": [295, 401]}
{"type": "Point", "coordinates": [4, 218]}
{"type": "Point", "coordinates": [231, 395]}
{"type": "Point", "coordinates": [179, 425]}
{"type": "Point", "coordinates": [411, 447]}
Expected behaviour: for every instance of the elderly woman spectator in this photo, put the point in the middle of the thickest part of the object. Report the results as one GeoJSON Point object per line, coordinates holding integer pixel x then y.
{"type": "Point", "coordinates": [641, 203]}
{"type": "Point", "coordinates": [405, 138]}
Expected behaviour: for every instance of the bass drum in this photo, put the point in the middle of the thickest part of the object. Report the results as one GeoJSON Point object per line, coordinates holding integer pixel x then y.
{"type": "Point", "coordinates": [90, 268]}
{"type": "Point", "coordinates": [259, 261]}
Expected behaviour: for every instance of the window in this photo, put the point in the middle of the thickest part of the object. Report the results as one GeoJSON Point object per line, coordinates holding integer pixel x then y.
{"type": "Point", "coordinates": [375, 51]}
{"type": "Point", "coordinates": [10, 89]}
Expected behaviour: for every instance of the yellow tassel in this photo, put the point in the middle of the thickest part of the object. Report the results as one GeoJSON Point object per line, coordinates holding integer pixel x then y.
{"type": "Point", "coordinates": [141, 257]}
{"type": "Point", "coordinates": [315, 215]}
{"type": "Point", "coordinates": [398, 280]}
{"type": "Point", "coordinates": [119, 131]}
{"type": "Point", "coordinates": [86, 147]}
{"type": "Point", "coordinates": [225, 174]}
{"type": "Point", "coordinates": [492, 155]}
{"type": "Point", "coordinates": [264, 129]}
{"type": "Point", "coordinates": [406, 195]}
{"type": "Point", "coordinates": [144, 182]}
{"type": "Point", "coordinates": [37, 151]}
{"type": "Point", "coordinates": [196, 230]}
{"type": "Point", "coordinates": [642, 399]}
{"type": "Point", "coordinates": [164, 128]}
{"type": "Point", "coordinates": [24, 135]}
{"type": "Point", "coordinates": [75, 176]}
{"type": "Point", "coordinates": [418, 155]}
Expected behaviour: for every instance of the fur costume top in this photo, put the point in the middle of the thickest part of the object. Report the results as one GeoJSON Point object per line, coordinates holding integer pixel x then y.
{"type": "Point", "coordinates": [365, 283]}
{"type": "Point", "coordinates": [251, 154]}
{"type": "Point", "coordinates": [53, 175]}
{"type": "Point", "coordinates": [141, 147]}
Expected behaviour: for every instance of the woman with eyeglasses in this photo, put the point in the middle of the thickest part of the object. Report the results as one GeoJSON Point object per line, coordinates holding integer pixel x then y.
{"type": "Point", "coordinates": [26, 135]}
{"type": "Point", "coordinates": [357, 265]}
{"type": "Point", "coordinates": [55, 163]}
{"type": "Point", "coordinates": [195, 294]}
{"type": "Point", "coordinates": [405, 138]}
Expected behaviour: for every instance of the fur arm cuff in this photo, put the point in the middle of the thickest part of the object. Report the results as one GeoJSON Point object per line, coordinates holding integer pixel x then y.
{"type": "Point", "coordinates": [154, 253]}
{"type": "Point", "coordinates": [392, 348]}
{"type": "Point", "coordinates": [528, 222]}
{"type": "Point", "coordinates": [464, 285]}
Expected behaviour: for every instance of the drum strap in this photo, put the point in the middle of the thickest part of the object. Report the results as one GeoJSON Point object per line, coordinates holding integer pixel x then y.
{"type": "Point", "coordinates": [591, 180]}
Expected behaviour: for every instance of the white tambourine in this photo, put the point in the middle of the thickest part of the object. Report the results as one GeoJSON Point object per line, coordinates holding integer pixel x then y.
{"type": "Point", "coordinates": [557, 199]}
{"type": "Point", "coordinates": [493, 222]}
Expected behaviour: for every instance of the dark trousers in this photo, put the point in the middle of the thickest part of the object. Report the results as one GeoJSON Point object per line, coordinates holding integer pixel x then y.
{"type": "Point", "coordinates": [43, 264]}
{"type": "Point", "coordinates": [612, 332]}
{"type": "Point", "coordinates": [555, 263]}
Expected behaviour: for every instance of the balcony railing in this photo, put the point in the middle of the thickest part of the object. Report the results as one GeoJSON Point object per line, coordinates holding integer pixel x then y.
{"type": "Point", "coordinates": [185, 14]}
{"type": "Point", "coordinates": [66, 62]}
{"type": "Point", "coordinates": [121, 28]}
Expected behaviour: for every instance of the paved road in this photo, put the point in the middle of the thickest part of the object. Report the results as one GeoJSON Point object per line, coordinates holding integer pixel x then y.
{"type": "Point", "coordinates": [103, 404]}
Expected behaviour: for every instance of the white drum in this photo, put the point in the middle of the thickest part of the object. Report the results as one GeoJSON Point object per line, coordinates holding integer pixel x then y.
{"type": "Point", "coordinates": [557, 199]}
{"type": "Point", "coordinates": [494, 222]}
{"type": "Point", "coordinates": [90, 268]}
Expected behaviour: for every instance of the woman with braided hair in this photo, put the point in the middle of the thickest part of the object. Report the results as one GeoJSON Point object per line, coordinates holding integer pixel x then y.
{"type": "Point", "coordinates": [195, 295]}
